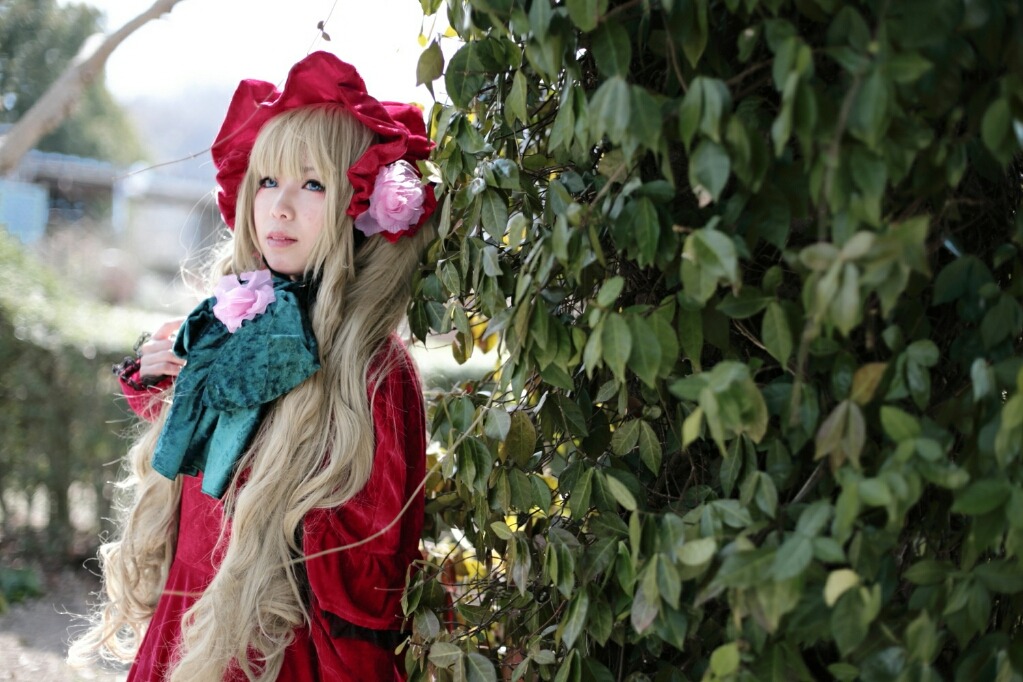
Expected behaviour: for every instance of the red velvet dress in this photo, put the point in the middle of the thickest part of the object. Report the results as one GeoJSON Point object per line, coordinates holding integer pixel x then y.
{"type": "Point", "coordinates": [354, 595]}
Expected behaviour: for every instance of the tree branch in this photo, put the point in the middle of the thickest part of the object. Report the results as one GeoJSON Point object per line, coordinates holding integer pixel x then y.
{"type": "Point", "coordinates": [60, 98]}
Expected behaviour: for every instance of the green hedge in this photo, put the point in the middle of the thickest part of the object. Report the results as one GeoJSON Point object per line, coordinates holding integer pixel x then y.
{"type": "Point", "coordinates": [754, 266]}
{"type": "Point", "coordinates": [60, 419]}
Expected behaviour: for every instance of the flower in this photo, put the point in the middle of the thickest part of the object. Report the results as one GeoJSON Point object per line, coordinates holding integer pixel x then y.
{"type": "Point", "coordinates": [238, 301]}
{"type": "Point", "coordinates": [396, 204]}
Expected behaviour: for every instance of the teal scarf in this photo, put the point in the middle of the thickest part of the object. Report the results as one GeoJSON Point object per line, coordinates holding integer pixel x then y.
{"type": "Point", "coordinates": [223, 391]}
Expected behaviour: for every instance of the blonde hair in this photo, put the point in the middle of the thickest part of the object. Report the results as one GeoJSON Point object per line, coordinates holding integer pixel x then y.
{"type": "Point", "coordinates": [254, 602]}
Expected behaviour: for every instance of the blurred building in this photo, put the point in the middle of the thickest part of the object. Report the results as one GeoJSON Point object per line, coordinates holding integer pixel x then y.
{"type": "Point", "coordinates": [138, 227]}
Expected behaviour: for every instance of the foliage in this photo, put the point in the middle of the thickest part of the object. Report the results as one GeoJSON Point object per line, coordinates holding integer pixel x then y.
{"type": "Point", "coordinates": [754, 268]}
{"type": "Point", "coordinates": [59, 421]}
{"type": "Point", "coordinates": [17, 584]}
{"type": "Point", "coordinates": [38, 40]}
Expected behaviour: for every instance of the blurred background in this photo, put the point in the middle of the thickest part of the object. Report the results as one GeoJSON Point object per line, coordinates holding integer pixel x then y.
{"type": "Point", "coordinates": [104, 224]}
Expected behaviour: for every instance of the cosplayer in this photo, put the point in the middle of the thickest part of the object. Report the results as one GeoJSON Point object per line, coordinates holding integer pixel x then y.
{"type": "Point", "coordinates": [275, 502]}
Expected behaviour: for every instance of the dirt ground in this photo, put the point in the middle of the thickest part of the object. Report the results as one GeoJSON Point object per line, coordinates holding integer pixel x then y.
{"type": "Point", "coordinates": [34, 633]}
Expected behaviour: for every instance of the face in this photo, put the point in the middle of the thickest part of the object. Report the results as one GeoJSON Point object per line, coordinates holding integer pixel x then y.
{"type": "Point", "coordinates": [288, 215]}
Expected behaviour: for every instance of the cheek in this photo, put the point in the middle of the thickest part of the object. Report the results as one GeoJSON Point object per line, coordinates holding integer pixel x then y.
{"type": "Point", "coordinates": [312, 218]}
{"type": "Point", "coordinates": [260, 209]}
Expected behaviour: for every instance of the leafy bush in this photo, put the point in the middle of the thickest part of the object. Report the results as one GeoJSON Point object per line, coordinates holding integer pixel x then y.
{"type": "Point", "coordinates": [754, 266]}
{"type": "Point", "coordinates": [17, 584]}
{"type": "Point", "coordinates": [60, 419]}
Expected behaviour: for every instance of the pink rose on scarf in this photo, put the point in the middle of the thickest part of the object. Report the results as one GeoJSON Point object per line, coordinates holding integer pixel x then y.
{"type": "Point", "coordinates": [396, 203]}
{"type": "Point", "coordinates": [238, 301]}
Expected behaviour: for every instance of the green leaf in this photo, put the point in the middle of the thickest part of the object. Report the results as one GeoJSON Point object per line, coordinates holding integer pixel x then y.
{"type": "Point", "coordinates": [776, 333]}
{"type": "Point", "coordinates": [515, 104]}
{"type": "Point", "coordinates": [646, 119]}
{"type": "Point", "coordinates": [610, 109]}
{"type": "Point", "coordinates": [620, 492]}
{"type": "Point", "coordinates": [479, 668]}
{"type": "Point", "coordinates": [963, 276]}
{"type": "Point", "coordinates": [583, 13]}
{"type": "Point", "coordinates": [563, 130]}
{"type": "Point", "coordinates": [646, 230]}
{"type": "Point", "coordinates": [612, 49]}
{"type": "Point", "coordinates": [690, 112]}
{"type": "Point", "coordinates": [609, 291]}
{"type": "Point", "coordinates": [494, 214]}
{"type": "Point", "coordinates": [498, 423]}
{"type": "Point", "coordinates": [850, 621]}
{"type": "Point", "coordinates": [842, 435]}
{"type": "Point", "coordinates": [838, 582]}
{"type": "Point", "coordinates": [697, 552]}
{"type": "Point", "coordinates": [709, 168]}
{"type": "Point", "coordinates": [695, 32]}
{"type": "Point", "coordinates": [793, 557]}
{"type": "Point", "coordinates": [575, 422]}
{"type": "Point", "coordinates": [846, 309]}
{"type": "Point", "coordinates": [868, 118]}
{"type": "Point", "coordinates": [521, 439]}
{"type": "Point", "coordinates": [625, 438]}
{"type": "Point", "coordinates": [444, 654]}
{"type": "Point", "coordinates": [746, 304]}
{"type": "Point", "coordinates": [875, 492]}
{"type": "Point", "coordinates": [616, 340]}
{"type": "Point", "coordinates": [1002, 322]}
{"type": "Point", "coordinates": [502, 530]}
{"type": "Point", "coordinates": [430, 66]}
{"type": "Point", "coordinates": [645, 358]}
{"type": "Point", "coordinates": [1000, 575]}
{"type": "Point", "coordinates": [465, 74]}
{"type": "Point", "coordinates": [908, 67]}
{"type": "Point", "coordinates": [724, 661]}
{"type": "Point", "coordinates": [709, 256]}
{"type": "Point", "coordinates": [898, 424]}
{"type": "Point", "coordinates": [981, 497]}
{"type": "Point", "coordinates": [649, 447]}
{"type": "Point", "coordinates": [866, 380]}
{"type": "Point", "coordinates": [572, 626]}
{"type": "Point", "coordinates": [994, 128]}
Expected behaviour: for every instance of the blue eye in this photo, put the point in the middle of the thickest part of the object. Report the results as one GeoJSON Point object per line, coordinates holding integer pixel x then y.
{"type": "Point", "coordinates": [315, 186]}
{"type": "Point", "coordinates": [267, 182]}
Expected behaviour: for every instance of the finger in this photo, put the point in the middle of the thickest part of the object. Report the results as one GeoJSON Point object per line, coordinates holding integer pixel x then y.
{"type": "Point", "coordinates": [168, 329]}
{"type": "Point", "coordinates": [164, 369]}
{"type": "Point", "coordinates": [154, 346]}
{"type": "Point", "coordinates": [160, 364]}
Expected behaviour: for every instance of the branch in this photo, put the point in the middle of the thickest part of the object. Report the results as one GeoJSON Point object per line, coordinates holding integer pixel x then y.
{"type": "Point", "coordinates": [61, 97]}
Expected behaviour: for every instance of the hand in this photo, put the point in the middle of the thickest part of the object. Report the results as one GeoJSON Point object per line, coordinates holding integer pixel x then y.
{"type": "Point", "coordinates": [156, 359]}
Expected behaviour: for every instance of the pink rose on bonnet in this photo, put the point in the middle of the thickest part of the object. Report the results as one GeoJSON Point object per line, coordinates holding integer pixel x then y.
{"type": "Point", "coordinates": [396, 203]}
{"type": "Point", "coordinates": [239, 301]}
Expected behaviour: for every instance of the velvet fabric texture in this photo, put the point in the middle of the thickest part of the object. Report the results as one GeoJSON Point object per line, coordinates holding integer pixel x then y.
{"type": "Point", "coordinates": [230, 377]}
{"type": "Point", "coordinates": [353, 595]}
{"type": "Point", "coordinates": [321, 78]}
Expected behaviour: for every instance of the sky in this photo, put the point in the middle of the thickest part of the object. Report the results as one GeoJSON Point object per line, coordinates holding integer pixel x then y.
{"type": "Point", "coordinates": [220, 42]}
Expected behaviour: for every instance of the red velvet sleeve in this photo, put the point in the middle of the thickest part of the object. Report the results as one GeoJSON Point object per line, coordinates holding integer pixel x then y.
{"type": "Point", "coordinates": [363, 585]}
{"type": "Point", "coordinates": [145, 402]}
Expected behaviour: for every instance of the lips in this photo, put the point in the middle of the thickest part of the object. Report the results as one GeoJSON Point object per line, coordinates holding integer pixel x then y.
{"type": "Point", "coordinates": [279, 240]}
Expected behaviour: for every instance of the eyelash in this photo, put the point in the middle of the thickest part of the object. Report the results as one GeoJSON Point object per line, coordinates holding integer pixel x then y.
{"type": "Point", "coordinates": [312, 185]}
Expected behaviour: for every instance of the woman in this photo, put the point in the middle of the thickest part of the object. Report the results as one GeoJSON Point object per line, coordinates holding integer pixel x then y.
{"type": "Point", "coordinates": [276, 500]}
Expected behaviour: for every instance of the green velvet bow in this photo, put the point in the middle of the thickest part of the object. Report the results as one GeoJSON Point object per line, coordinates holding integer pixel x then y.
{"type": "Point", "coordinates": [222, 393]}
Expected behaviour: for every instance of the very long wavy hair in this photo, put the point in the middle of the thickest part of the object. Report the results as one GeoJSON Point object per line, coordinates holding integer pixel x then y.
{"type": "Point", "coordinates": [248, 614]}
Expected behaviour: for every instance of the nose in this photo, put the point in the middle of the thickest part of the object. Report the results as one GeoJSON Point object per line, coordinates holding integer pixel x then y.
{"type": "Point", "coordinates": [282, 208]}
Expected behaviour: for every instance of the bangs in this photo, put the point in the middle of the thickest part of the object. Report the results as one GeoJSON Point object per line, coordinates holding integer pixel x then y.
{"type": "Point", "coordinates": [284, 148]}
